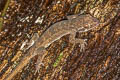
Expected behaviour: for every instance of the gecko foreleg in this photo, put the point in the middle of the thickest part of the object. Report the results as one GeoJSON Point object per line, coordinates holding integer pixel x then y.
{"type": "Point", "coordinates": [74, 41]}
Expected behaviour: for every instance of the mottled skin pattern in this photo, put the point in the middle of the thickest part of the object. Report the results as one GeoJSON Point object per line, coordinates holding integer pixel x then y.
{"type": "Point", "coordinates": [75, 23]}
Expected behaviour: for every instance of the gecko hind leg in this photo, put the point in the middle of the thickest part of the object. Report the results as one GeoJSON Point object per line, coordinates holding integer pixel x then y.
{"type": "Point", "coordinates": [41, 54]}
{"type": "Point", "coordinates": [74, 41]}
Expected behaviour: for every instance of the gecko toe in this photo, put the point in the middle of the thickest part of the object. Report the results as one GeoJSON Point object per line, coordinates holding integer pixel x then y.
{"type": "Point", "coordinates": [82, 46]}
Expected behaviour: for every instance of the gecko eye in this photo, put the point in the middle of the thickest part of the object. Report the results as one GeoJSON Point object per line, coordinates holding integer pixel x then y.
{"type": "Point", "coordinates": [96, 21]}
{"type": "Point", "coordinates": [87, 25]}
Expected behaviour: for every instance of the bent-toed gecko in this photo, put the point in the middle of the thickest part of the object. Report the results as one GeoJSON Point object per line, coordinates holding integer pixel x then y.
{"type": "Point", "coordinates": [75, 23]}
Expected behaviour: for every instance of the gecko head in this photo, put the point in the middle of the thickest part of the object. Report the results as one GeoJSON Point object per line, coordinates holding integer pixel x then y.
{"type": "Point", "coordinates": [90, 22]}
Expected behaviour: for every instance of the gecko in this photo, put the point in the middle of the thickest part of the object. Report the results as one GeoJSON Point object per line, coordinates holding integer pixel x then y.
{"type": "Point", "coordinates": [74, 23]}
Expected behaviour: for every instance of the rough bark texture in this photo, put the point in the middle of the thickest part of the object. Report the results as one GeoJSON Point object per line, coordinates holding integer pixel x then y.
{"type": "Point", "coordinates": [99, 61]}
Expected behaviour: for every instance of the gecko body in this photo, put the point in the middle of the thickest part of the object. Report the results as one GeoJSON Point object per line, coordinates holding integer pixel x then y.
{"type": "Point", "coordinates": [82, 23]}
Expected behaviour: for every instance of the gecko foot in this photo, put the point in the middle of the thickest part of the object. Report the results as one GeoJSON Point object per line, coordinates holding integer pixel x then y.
{"type": "Point", "coordinates": [37, 66]}
{"type": "Point", "coordinates": [83, 44]}
{"type": "Point", "coordinates": [74, 41]}
{"type": "Point", "coordinates": [41, 54]}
